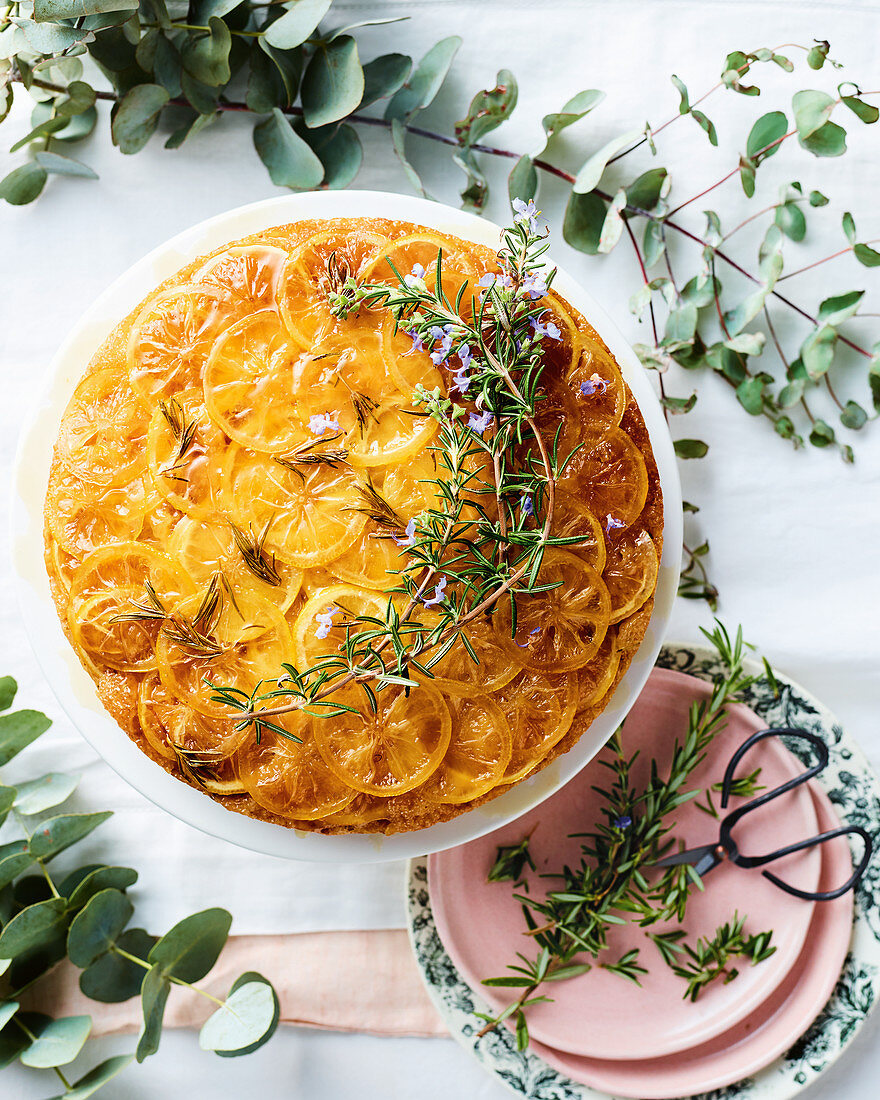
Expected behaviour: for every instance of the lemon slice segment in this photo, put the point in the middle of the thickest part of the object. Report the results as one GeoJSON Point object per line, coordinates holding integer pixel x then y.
{"type": "Point", "coordinates": [478, 754]}
{"type": "Point", "coordinates": [291, 779]}
{"type": "Point", "coordinates": [339, 608]}
{"type": "Point", "coordinates": [596, 678]}
{"type": "Point", "coordinates": [390, 433]}
{"type": "Point", "coordinates": [572, 519]}
{"type": "Point", "coordinates": [103, 430]}
{"type": "Point", "coordinates": [171, 338]}
{"type": "Point", "coordinates": [252, 382]}
{"type": "Point", "coordinates": [105, 638]}
{"type": "Point", "coordinates": [392, 750]}
{"type": "Point", "coordinates": [248, 275]}
{"type": "Point", "coordinates": [183, 458]}
{"type": "Point", "coordinates": [83, 516]}
{"type": "Point", "coordinates": [313, 270]}
{"type": "Point", "coordinates": [611, 474]}
{"type": "Point", "coordinates": [313, 515]}
{"type": "Point", "coordinates": [457, 674]}
{"type": "Point", "coordinates": [562, 628]}
{"type": "Point", "coordinates": [540, 710]}
{"type": "Point", "coordinates": [630, 573]}
{"type": "Point", "coordinates": [130, 565]}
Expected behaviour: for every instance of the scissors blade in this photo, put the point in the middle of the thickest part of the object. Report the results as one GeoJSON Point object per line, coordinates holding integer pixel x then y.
{"type": "Point", "coordinates": [703, 858]}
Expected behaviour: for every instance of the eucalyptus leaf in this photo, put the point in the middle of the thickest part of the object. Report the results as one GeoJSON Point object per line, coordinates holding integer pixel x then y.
{"type": "Point", "coordinates": [167, 67]}
{"type": "Point", "coordinates": [817, 351]}
{"type": "Point", "coordinates": [333, 84]}
{"type": "Point", "coordinates": [58, 833]}
{"type": "Point", "coordinates": [51, 38]}
{"type": "Point", "coordinates": [58, 165]}
{"type": "Point", "coordinates": [853, 416]}
{"type": "Point", "coordinates": [572, 111]}
{"type": "Point", "coordinates": [246, 1021]}
{"type": "Point", "coordinates": [206, 58]}
{"type": "Point", "coordinates": [645, 192]}
{"type": "Point", "coordinates": [297, 23]}
{"type": "Point", "coordinates": [96, 1078]}
{"type": "Point", "coordinates": [836, 310]}
{"type": "Point", "coordinates": [58, 1043]}
{"type": "Point", "coordinates": [42, 794]}
{"type": "Point", "coordinates": [591, 172]}
{"type": "Point", "coordinates": [203, 97]}
{"type": "Point", "coordinates": [12, 1043]}
{"type": "Point", "coordinates": [790, 219]}
{"type": "Point", "coordinates": [653, 244]}
{"type": "Point", "coordinates": [828, 141]}
{"type": "Point", "coordinates": [20, 729]}
{"type": "Point", "coordinates": [867, 112]}
{"type": "Point", "coordinates": [47, 10]}
{"type": "Point", "coordinates": [765, 136]}
{"type": "Point", "coordinates": [340, 151]}
{"type": "Point", "coordinates": [42, 129]}
{"type": "Point", "coordinates": [7, 801]}
{"type": "Point", "coordinates": [867, 256]}
{"type": "Point", "coordinates": [32, 927]}
{"type": "Point", "coordinates": [137, 116]}
{"type": "Point", "coordinates": [612, 227]}
{"type": "Point", "coordinates": [522, 183]}
{"type": "Point", "coordinates": [818, 199]}
{"type": "Point", "coordinates": [383, 76]}
{"type": "Point", "coordinates": [584, 218]}
{"type": "Point", "coordinates": [8, 688]}
{"type": "Point", "coordinates": [193, 125]}
{"type": "Point", "coordinates": [750, 395]}
{"type": "Point", "coordinates": [398, 141]}
{"type": "Point", "coordinates": [14, 858]}
{"type": "Point", "coordinates": [822, 434]}
{"type": "Point", "coordinates": [112, 978]}
{"type": "Point", "coordinates": [488, 109]}
{"type": "Point", "coordinates": [424, 84]}
{"type": "Point", "coordinates": [690, 448]}
{"type": "Point", "coordinates": [849, 227]}
{"type": "Point", "coordinates": [290, 161]}
{"type": "Point", "coordinates": [97, 926]}
{"type": "Point", "coordinates": [7, 1010]}
{"type": "Point", "coordinates": [705, 124]}
{"type": "Point", "coordinates": [154, 996]}
{"type": "Point", "coordinates": [812, 109]}
{"type": "Point", "coordinates": [192, 946]}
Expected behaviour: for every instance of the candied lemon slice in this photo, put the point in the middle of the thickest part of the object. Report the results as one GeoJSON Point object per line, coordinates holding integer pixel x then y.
{"type": "Point", "coordinates": [560, 629]}
{"type": "Point", "coordinates": [103, 430]}
{"type": "Point", "coordinates": [478, 754]}
{"type": "Point", "coordinates": [171, 338]}
{"type": "Point", "coordinates": [596, 678]}
{"type": "Point", "coordinates": [392, 750]}
{"type": "Point", "coordinates": [252, 382]}
{"type": "Point", "coordinates": [374, 561]}
{"type": "Point", "coordinates": [630, 573]}
{"type": "Point", "coordinates": [361, 810]}
{"type": "Point", "coordinates": [421, 248]}
{"type": "Point", "coordinates": [246, 274]}
{"type": "Point", "coordinates": [597, 384]}
{"type": "Point", "coordinates": [182, 455]}
{"type": "Point", "coordinates": [610, 472]}
{"type": "Point", "coordinates": [204, 547]}
{"type": "Point", "coordinates": [107, 639]}
{"type": "Point", "coordinates": [313, 514]}
{"type": "Point", "coordinates": [339, 608]}
{"type": "Point", "coordinates": [130, 565]}
{"type": "Point", "coordinates": [408, 363]}
{"type": "Point", "coordinates": [83, 516]}
{"type": "Point", "coordinates": [390, 433]}
{"type": "Point", "coordinates": [239, 653]}
{"type": "Point", "coordinates": [291, 779]}
{"type": "Point", "coordinates": [313, 270]}
{"type": "Point", "coordinates": [540, 710]}
{"type": "Point", "coordinates": [457, 674]}
{"type": "Point", "coordinates": [169, 725]}
{"type": "Point", "coordinates": [572, 519]}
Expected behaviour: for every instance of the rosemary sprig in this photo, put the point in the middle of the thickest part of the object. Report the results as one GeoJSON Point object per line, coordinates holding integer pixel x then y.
{"type": "Point", "coordinates": [708, 960]}
{"type": "Point", "coordinates": [743, 786]}
{"type": "Point", "coordinates": [194, 635]}
{"type": "Point", "coordinates": [364, 407]}
{"type": "Point", "coordinates": [253, 554]}
{"type": "Point", "coordinates": [376, 508]}
{"type": "Point", "coordinates": [183, 430]}
{"type": "Point", "coordinates": [150, 609]}
{"type": "Point", "coordinates": [308, 454]}
{"type": "Point", "coordinates": [611, 884]}
{"type": "Point", "coordinates": [511, 861]}
{"type": "Point", "coordinates": [197, 765]}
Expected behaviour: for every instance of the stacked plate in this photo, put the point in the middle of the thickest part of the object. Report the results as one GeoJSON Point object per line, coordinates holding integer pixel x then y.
{"type": "Point", "coordinates": [602, 1033]}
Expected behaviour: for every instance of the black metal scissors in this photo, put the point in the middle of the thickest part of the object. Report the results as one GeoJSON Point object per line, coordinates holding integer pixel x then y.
{"type": "Point", "coordinates": [707, 856]}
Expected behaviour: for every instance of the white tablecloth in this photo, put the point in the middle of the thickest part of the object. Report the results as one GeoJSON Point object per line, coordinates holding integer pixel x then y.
{"type": "Point", "coordinates": [793, 536]}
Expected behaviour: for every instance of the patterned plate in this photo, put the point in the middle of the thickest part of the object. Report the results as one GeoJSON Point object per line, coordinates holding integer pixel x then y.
{"type": "Point", "coordinates": [855, 791]}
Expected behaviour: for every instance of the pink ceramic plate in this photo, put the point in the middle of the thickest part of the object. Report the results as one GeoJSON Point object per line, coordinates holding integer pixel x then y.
{"type": "Point", "coordinates": [601, 1015]}
{"type": "Point", "coordinates": [766, 1034]}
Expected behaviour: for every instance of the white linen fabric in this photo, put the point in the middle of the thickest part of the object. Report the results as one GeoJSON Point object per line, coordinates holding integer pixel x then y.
{"type": "Point", "coordinates": [793, 535]}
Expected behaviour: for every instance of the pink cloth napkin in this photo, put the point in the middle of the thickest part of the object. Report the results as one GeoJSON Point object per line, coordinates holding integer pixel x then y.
{"type": "Point", "coordinates": [340, 981]}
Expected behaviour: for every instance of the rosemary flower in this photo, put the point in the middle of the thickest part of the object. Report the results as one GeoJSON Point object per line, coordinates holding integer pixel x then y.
{"type": "Point", "coordinates": [415, 276]}
{"type": "Point", "coordinates": [410, 531]}
{"type": "Point", "coordinates": [526, 212]}
{"type": "Point", "coordinates": [416, 339]}
{"type": "Point", "coordinates": [480, 422]}
{"type": "Point", "coordinates": [594, 384]}
{"type": "Point", "coordinates": [323, 422]}
{"type": "Point", "coordinates": [622, 822]}
{"type": "Point", "coordinates": [325, 619]}
{"type": "Point", "coordinates": [541, 330]}
{"type": "Point", "coordinates": [526, 505]}
{"type": "Point", "coordinates": [612, 524]}
{"type": "Point", "coordinates": [439, 594]}
{"type": "Point", "coordinates": [534, 286]}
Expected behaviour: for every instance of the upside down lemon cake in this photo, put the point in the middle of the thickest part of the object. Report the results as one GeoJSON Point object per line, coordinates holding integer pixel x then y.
{"type": "Point", "coordinates": [235, 490]}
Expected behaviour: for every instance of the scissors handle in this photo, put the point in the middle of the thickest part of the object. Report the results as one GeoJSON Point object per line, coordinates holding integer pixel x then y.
{"type": "Point", "coordinates": [821, 895]}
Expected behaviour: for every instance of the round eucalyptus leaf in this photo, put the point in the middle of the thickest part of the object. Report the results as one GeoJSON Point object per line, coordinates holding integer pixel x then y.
{"type": "Point", "coordinates": [207, 57]}
{"type": "Point", "coordinates": [18, 730]}
{"type": "Point", "coordinates": [246, 1021]}
{"type": "Point", "coordinates": [47, 791]}
{"type": "Point", "coordinates": [7, 1010]}
{"type": "Point", "coordinates": [828, 141]}
{"type": "Point", "coordinates": [14, 858]}
{"type": "Point", "coordinates": [8, 688]}
{"type": "Point", "coordinates": [32, 927]}
{"type": "Point", "coordinates": [340, 151]}
{"type": "Point", "coordinates": [290, 161]}
{"type": "Point", "coordinates": [49, 38]}
{"type": "Point", "coordinates": [113, 978]}
{"type": "Point", "coordinates": [137, 116]}
{"type": "Point", "coordinates": [383, 76]}
{"type": "Point", "coordinates": [201, 96]}
{"type": "Point", "coordinates": [192, 946]}
{"type": "Point", "coordinates": [97, 926]}
{"type": "Point", "coordinates": [424, 84]}
{"type": "Point", "coordinates": [47, 10]}
{"type": "Point", "coordinates": [96, 1078]}
{"type": "Point", "coordinates": [58, 165]}
{"type": "Point", "coordinates": [7, 801]}
{"type": "Point", "coordinates": [333, 84]}
{"type": "Point", "coordinates": [69, 883]}
{"type": "Point", "coordinates": [113, 51]}
{"type": "Point", "coordinates": [154, 995]}
{"type": "Point", "coordinates": [584, 218]}
{"type": "Point", "coordinates": [297, 23]}
{"type": "Point", "coordinates": [56, 834]}
{"type": "Point", "coordinates": [522, 183]}
{"type": "Point", "coordinates": [57, 1043]}
{"type": "Point", "coordinates": [768, 129]}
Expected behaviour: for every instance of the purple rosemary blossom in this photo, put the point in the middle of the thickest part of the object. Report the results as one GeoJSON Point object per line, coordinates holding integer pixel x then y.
{"type": "Point", "coordinates": [534, 286]}
{"type": "Point", "coordinates": [325, 619]}
{"type": "Point", "coordinates": [440, 355]}
{"type": "Point", "coordinates": [464, 354]}
{"type": "Point", "coordinates": [415, 276]}
{"type": "Point", "coordinates": [522, 645]}
{"type": "Point", "coordinates": [612, 524]}
{"type": "Point", "coordinates": [526, 505]}
{"type": "Point", "coordinates": [622, 822]}
{"type": "Point", "coordinates": [439, 594]}
{"type": "Point", "coordinates": [416, 339]}
{"type": "Point", "coordinates": [594, 384]}
{"type": "Point", "coordinates": [410, 531]}
{"type": "Point", "coordinates": [540, 330]}
{"type": "Point", "coordinates": [494, 279]}
{"type": "Point", "coordinates": [461, 381]}
{"type": "Point", "coordinates": [526, 212]}
{"type": "Point", "coordinates": [323, 422]}
{"type": "Point", "coordinates": [480, 423]}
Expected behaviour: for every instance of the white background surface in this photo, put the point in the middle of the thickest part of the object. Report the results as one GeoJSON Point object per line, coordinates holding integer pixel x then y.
{"type": "Point", "coordinates": [793, 536]}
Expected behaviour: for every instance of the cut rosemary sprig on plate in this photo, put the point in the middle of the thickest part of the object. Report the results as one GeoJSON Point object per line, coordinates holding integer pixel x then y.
{"type": "Point", "coordinates": [708, 960]}
{"type": "Point", "coordinates": [612, 883]}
